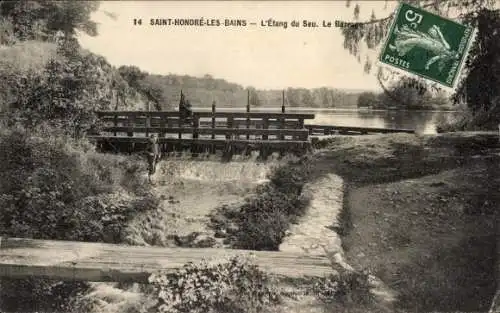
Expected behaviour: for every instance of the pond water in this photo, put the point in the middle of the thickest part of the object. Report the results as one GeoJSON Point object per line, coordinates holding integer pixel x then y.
{"type": "Point", "coordinates": [423, 122]}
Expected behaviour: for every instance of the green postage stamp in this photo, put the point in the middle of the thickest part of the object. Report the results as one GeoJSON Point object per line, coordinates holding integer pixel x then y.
{"type": "Point", "coordinates": [427, 45]}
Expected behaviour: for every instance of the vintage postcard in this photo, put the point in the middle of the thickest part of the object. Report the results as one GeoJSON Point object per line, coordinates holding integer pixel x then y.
{"type": "Point", "coordinates": [249, 156]}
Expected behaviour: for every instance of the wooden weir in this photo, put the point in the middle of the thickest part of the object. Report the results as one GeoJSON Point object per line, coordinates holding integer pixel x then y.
{"type": "Point", "coordinates": [127, 131]}
{"type": "Point", "coordinates": [99, 262]}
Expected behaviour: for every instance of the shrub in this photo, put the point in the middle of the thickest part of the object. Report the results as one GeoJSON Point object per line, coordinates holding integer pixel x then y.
{"type": "Point", "coordinates": [58, 188]}
{"type": "Point", "coordinates": [345, 287]}
{"type": "Point", "coordinates": [54, 190]}
{"type": "Point", "coordinates": [36, 294]}
{"type": "Point", "coordinates": [232, 286]}
{"type": "Point", "coordinates": [291, 178]}
{"type": "Point", "coordinates": [263, 219]}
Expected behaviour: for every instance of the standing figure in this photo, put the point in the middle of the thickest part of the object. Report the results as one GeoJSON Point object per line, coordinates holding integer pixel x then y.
{"type": "Point", "coordinates": [153, 155]}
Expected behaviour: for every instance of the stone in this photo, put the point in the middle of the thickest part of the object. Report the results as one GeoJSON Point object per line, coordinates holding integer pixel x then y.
{"type": "Point", "coordinates": [220, 233]}
{"type": "Point", "coordinates": [203, 241]}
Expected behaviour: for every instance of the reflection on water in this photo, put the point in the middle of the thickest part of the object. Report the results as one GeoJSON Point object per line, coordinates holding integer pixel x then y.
{"type": "Point", "coordinates": [423, 122]}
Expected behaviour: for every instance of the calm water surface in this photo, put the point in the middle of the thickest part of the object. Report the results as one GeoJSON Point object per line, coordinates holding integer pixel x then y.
{"type": "Point", "coordinates": [423, 122]}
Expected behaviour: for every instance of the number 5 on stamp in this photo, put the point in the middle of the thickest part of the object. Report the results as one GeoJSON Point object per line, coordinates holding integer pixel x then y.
{"type": "Point", "coordinates": [427, 45]}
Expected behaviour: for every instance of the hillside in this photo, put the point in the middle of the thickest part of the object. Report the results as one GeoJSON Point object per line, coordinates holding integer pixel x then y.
{"type": "Point", "coordinates": [202, 91]}
{"type": "Point", "coordinates": [28, 63]}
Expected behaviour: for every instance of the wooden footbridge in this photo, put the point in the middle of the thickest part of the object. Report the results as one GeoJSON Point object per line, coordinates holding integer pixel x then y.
{"type": "Point", "coordinates": [68, 260]}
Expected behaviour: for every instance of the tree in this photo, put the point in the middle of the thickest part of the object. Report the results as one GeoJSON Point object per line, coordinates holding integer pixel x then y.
{"type": "Point", "coordinates": [367, 99]}
{"type": "Point", "coordinates": [307, 98]}
{"type": "Point", "coordinates": [64, 93]}
{"type": "Point", "coordinates": [293, 97]}
{"type": "Point", "coordinates": [484, 56]}
{"type": "Point", "coordinates": [44, 19]}
{"type": "Point", "coordinates": [149, 86]}
{"type": "Point", "coordinates": [132, 75]}
{"type": "Point", "coordinates": [254, 97]}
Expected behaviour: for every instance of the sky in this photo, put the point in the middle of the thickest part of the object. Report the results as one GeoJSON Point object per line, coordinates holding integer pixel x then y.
{"type": "Point", "coordinates": [259, 56]}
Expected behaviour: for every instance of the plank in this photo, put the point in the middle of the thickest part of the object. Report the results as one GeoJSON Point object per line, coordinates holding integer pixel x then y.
{"type": "Point", "coordinates": [258, 115]}
{"type": "Point", "coordinates": [357, 129]}
{"type": "Point", "coordinates": [254, 123]}
{"type": "Point", "coordinates": [209, 131]}
{"type": "Point", "coordinates": [138, 114]}
{"type": "Point", "coordinates": [70, 260]}
{"type": "Point", "coordinates": [204, 141]}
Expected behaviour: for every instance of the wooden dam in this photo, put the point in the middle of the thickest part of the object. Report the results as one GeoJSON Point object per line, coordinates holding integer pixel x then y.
{"type": "Point", "coordinates": [209, 132]}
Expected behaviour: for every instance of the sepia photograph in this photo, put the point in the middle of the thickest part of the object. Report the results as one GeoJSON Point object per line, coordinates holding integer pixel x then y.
{"type": "Point", "coordinates": [250, 156]}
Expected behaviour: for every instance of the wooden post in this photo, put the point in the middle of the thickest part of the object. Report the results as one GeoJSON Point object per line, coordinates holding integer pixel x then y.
{"type": "Point", "coordinates": [248, 111]}
{"type": "Point", "coordinates": [163, 123]}
{"type": "Point", "coordinates": [229, 125]}
{"type": "Point", "coordinates": [115, 123]}
{"type": "Point", "coordinates": [169, 124]}
{"type": "Point", "coordinates": [182, 95]}
{"type": "Point", "coordinates": [213, 120]}
{"type": "Point", "coordinates": [196, 124]}
{"type": "Point", "coordinates": [300, 125]}
{"type": "Point", "coordinates": [148, 123]}
{"type": "Point", "coordinates": [283, 101]}
{"type": "Point", "coordinates": [181, 126]}
{"type": "Point", "coordinates": [265, 125]}
{"type": "Point", "coordinates": [282, 126]}
{"type": "Point", "coordinates": [282, 120]}
{"type": "Point", "coordinates": [130, 124]}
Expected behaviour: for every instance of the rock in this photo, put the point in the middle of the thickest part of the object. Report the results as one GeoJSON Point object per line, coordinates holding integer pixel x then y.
{"type": "Point", "coordinates": [185, 241]}
{"type": "Point", "coordinates": [195, 240]}
{"type": "Point", "coordinates": [220, 233]}
{"type": "Point", "coordinates": [231, 228]}
{"type": "Point", "coordinates": [203, 241]}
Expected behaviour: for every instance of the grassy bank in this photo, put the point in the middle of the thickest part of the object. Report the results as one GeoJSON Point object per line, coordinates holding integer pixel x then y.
{"type": "Point", "coordinates": [418, 214]}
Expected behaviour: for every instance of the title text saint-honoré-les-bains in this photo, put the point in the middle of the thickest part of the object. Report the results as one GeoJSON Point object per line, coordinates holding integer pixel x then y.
{"type": "Point", "coordinates": [242, 22]}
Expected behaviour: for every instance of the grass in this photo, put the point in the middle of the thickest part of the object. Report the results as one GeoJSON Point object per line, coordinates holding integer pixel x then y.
{"type": "Point", "coordinates": [419, 214]}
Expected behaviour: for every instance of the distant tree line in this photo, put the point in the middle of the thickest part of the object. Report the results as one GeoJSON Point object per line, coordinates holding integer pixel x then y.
{"type": "Point", "coordinates": [164, 91]}
{"type": "Point", "coordinates": [406, 94]}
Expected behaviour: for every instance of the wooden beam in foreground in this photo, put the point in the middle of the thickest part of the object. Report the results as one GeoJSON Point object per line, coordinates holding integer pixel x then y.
{"type": "Point", "coordinates": [69, 260]}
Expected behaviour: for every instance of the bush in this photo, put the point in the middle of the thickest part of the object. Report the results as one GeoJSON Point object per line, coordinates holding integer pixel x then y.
{"type": "Point", "coordinates": [233, 286]}
{"type": "Point", "coordinates": [263, 219]}
{"type": "Point", "coordinates": [54, 190]}
{"type": "Point", "coordinates": [346, 287]}
{"type": "Point", "coordinates": [481, 119]}
{"type": "Point", "coordinates": [54, 187]}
